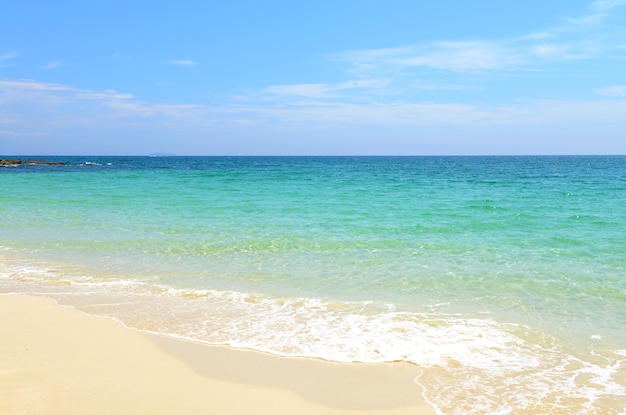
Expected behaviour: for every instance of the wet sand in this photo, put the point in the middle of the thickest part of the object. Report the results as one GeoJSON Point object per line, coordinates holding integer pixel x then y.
{"type": "Point", "coordinates": [56, 360]}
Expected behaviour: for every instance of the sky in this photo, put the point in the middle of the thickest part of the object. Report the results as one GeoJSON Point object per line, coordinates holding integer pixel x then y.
{"type": "Point", "coordinates": [340, 77]}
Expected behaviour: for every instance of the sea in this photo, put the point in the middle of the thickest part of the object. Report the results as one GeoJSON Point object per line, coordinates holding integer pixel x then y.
{"type": "Point", "coordinates": [502, 279]}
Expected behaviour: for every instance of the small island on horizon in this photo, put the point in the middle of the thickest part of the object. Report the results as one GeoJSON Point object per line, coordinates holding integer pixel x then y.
{"type": "Point", "coordinates": [161, 155]}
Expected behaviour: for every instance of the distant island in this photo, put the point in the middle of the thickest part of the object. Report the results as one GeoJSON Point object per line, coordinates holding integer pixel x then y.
{"type": "Point", "coordinates": [161, 155]}
{"type": "Point", "coordinates": [15, 162]}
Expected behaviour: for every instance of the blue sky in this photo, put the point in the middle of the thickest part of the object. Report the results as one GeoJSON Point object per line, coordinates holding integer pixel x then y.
{"type": "Point", "coordinates": [324, 77]}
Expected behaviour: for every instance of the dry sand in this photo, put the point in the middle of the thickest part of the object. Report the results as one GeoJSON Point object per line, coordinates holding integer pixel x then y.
{"type": "Point", "coordinates": [56, 360]}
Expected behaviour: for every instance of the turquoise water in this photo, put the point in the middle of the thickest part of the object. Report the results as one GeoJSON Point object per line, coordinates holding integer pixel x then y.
{"type": "Point", "coordinates": [503, 278]}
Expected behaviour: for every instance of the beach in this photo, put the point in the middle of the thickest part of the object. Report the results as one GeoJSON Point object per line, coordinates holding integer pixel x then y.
{"type": "Point", "coordinates": [481, 285]}
{"type": "Point", "coordinates": [57, 360]}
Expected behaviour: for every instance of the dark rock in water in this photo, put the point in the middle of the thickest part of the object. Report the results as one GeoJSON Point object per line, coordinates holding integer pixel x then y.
{"type": "Point", "coordinates": [9, 162]}
{"type": "Point", "coordinates": [14, 162]}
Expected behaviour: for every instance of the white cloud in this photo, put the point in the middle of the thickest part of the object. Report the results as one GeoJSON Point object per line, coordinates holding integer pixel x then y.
{"type": "Point", "coordinates": [307, 90]}
{"type": "Point", "coordinates": [321, 90]}
{"type": "Point", "coordinates": [589, 20]}
{"type": "Point", "coordinates": [52, 65]}
{"type": "Point", "coordinates": [9, 55]}
{"type": "Point", "coordinates": [604, 5]}
{"type": "Point", "coordinates": [600, 11]}
{"type": "Point", "coordinates": [422, 114]}
{"type": "Point", "coordinates": [26, 103]}
{"type": "Point", "coordinates": [26, 88]}
{"type": "Point", "coordinates": [562, 51]}
{"type": "Point", "coordinates": [393, 113]}
{"type": "Point", "coordinates": [515, 54]}
{"type": "Point", "coordinates": [612, 91]}
{"type": "Point", "coordinates": [183, 62]}
{"type": "Point", "coordinates": [439, 87]}
{"type": "Point", "coordinates": [447, 55]}
{"type": "Point", "coordinates": [537, 36]}
{"type": "Point", "coordinates": [6, 57]}
{"type": "Point", "coordinates": [19, 133]}
{"type": "Point", "coordinates": [461, 56]}
{"type": "Point", "coordinates": [585, 37]}
{"type": "Point", "coordinates": [60, 108]}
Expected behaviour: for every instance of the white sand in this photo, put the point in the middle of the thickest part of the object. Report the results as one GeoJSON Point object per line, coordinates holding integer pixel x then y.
{"type": "Point", "coordinates": [56, 360]}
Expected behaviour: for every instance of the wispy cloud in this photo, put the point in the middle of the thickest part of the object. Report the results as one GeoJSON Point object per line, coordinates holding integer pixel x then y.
{"type": "Point", "coordinates": [20, 133]}
{"type": "Point", "coordinates": [22, 87]}
{"type": "Point", "coordinates": [183, 62]}
{"type": "Point", "coordinates": [618, 91]}
{"type": "Point", "coordinates": [447, 55]}
{"type": "Point", "coordinates": [439, 86]}
{"type": "Point", "coordinates": [325, 90]}
{"type": "Point", "coordinates": [464, 56]}
{"type": "Point", "coordinates": [60, 106]}
{"type": "Point", "coordinates": [461, 56]}
{"type": "Point", "coordinates": [572, 38]}
{"type": "Point", "coordinates": [536, 36]}
{"type": "Point", "coordinates": [605, 5]}
{"type": "Point", "coordinates": [599, 12]}
{"type": "Point", "coordinates": [541, 112]}
{"type": "Point", "coordinates": [6, 57]}
{"type": "Point", "coordinates": [560, 52]}
{"type": "Point", "coordinates": [52, 65]}
{"type": "Point", "coordinates": [395, 86]}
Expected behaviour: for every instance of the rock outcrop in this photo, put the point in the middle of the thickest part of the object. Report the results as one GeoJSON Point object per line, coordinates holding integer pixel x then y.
{"type": "Point", "coordinates": [14, 162]}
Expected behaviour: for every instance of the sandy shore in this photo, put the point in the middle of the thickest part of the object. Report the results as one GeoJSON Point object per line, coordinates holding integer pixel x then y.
{"type": "Point", "coordinates": [56, 360]}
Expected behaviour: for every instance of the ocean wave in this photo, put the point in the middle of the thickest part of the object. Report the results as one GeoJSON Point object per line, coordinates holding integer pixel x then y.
{"type": "Point", "coordinates": [468, 365]}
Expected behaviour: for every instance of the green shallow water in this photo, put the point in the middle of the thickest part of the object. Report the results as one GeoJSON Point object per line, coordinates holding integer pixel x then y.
{"type": "Point", "coordinates": [330, 251]}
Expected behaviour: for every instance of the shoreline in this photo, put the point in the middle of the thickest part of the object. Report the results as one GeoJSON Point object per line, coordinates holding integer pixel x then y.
{"type": "Point", "coordinates": [58, 360]}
